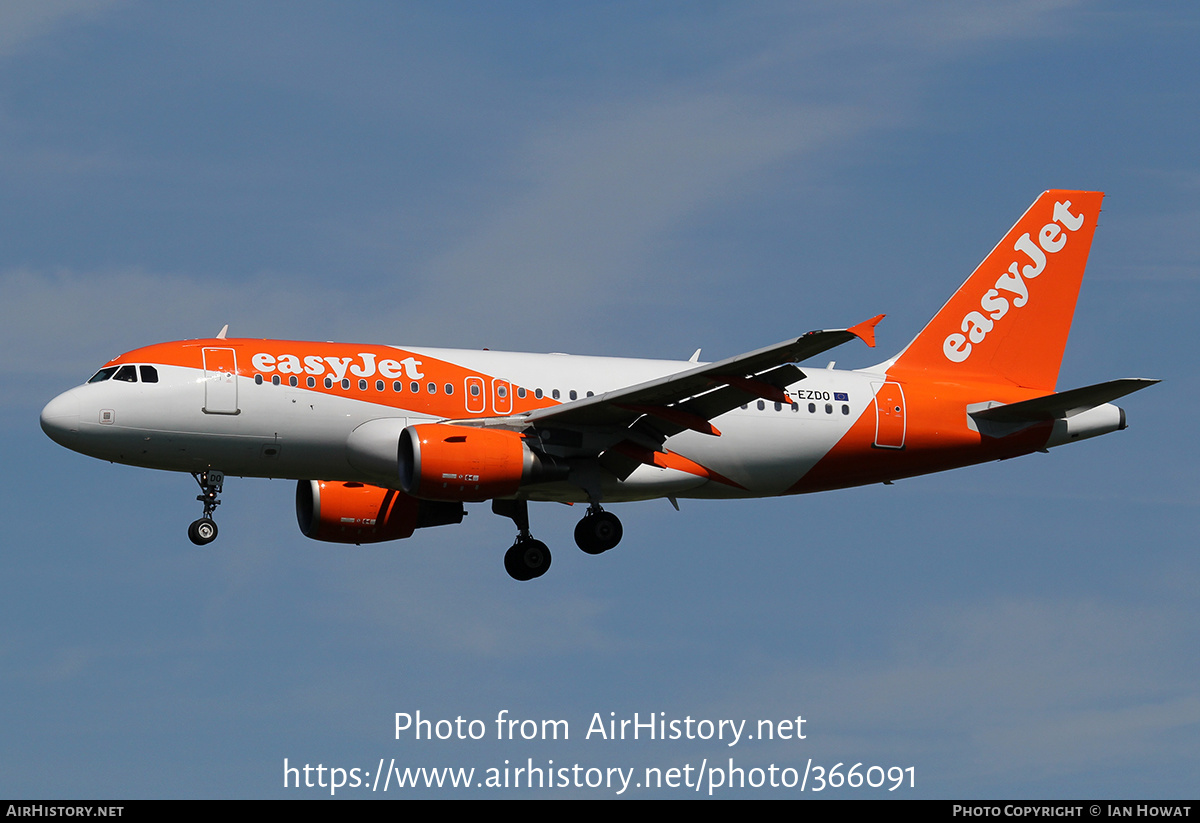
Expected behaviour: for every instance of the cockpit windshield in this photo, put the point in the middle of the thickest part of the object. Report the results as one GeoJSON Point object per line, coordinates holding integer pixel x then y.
{"type": "Point", "coordinates": [103, 374]}
{"type": "Point", "coordinates": [128, 374]}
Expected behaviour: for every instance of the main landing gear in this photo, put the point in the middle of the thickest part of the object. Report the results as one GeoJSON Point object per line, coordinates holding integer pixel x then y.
{"type": "Point", "coordinates": [598, 531]}
{"type": "Point", "coordinates": [204, 531]}
{"type": "Point", "coordinates": [528, 558]}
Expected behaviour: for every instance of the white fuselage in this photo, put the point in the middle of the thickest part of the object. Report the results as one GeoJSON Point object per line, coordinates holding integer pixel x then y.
{"type": "Point", "coordinates": [283, 431]}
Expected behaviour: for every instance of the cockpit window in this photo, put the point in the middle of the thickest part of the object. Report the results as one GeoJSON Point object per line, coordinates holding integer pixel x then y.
{"type": "Point", "coordinates": [149, 374]}
{"type": "Point", "coordinates": [103, 374]}
{"type": "Point", "coordinates": [127, 373]}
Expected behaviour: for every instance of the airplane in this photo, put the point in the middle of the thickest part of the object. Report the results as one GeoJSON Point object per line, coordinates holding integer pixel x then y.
{"type": "Point", "coordinates": [384, 440]}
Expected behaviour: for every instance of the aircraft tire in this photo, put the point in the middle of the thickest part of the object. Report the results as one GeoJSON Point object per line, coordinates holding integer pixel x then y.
{"type": "Point", "coordinates": [202, 531]}
{"type": "Point", "coordinates": [598, 532]}
{"type": "Point", "coordinates": [527, 559]}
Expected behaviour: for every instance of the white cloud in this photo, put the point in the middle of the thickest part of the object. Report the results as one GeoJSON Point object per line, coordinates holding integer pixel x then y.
{"type": "Point", "coordinates": [57, 328]}
{"type": "Point", "coordinates": [1012, 689]}
{"type": "Point", "coordinates": [24, 20]}
{"type": "Point", "coordinates": [606, 186]}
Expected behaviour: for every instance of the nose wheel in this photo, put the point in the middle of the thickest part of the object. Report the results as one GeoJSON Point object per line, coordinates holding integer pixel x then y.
{"type": "Point", "coordinates": [204, 531]}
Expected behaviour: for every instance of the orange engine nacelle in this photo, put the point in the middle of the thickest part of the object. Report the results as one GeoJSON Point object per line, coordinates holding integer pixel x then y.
{"type": "Point", "coordinates": [439, 461]}
{"type": "Point", "coordinates": [357, 513]}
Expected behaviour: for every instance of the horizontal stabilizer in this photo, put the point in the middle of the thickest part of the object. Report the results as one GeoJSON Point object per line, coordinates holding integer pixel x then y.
{"type": "Point", "coordinates": [1063, 404]}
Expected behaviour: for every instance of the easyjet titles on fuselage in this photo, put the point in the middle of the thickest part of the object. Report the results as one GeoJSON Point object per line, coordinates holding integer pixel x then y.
{"type": "Point", "coordinates": [315, 365]}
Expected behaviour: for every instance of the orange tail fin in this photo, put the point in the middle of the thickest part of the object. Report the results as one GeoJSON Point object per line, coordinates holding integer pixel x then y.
{"type": "Point", "coordinates": [1010, 320]}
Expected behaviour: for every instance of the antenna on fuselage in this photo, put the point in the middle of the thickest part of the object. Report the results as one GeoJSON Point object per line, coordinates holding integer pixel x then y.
{"type": "Point", "coordinates": [221, 333]}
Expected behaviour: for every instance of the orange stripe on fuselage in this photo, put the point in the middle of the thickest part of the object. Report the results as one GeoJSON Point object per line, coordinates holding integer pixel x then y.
{"type": "Point", "coordinates": [937, 438]}
{"type": "Point", "coordinates": [354, 362]}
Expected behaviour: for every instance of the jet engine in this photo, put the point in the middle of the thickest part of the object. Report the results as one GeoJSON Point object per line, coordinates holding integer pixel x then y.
{"type": "Point", "coordinates": [440, 461]}
{"type": "Point", "coordinates": [339, 512]}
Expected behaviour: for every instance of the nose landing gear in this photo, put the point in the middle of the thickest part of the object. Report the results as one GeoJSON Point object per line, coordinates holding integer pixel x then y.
{"type": "Point", "coordinates": [204, 531]}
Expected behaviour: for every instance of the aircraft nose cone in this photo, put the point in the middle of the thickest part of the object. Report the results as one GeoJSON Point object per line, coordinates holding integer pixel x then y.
{"type": "Point", "coordinates": [60, 418]}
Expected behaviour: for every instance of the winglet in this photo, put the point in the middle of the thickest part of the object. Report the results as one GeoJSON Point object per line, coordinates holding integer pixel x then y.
{"type": "Point", "coordinates": [865, 331]}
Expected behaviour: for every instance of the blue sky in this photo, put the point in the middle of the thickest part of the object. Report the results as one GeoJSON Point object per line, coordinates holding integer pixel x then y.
{"type": "Point", "coordinates": [626, 179]}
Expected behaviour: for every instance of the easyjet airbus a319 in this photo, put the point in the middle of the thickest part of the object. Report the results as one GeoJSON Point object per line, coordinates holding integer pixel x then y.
{"type": "Point", "coordinates": [387, 439]}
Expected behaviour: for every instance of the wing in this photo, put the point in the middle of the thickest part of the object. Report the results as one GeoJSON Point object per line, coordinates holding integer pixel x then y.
{"type": "Point", "coordinates": [646, 414]}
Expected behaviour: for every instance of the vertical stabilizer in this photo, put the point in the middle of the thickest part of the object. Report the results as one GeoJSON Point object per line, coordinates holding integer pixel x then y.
{"type": "Point", "coordinates": [1009, 322]}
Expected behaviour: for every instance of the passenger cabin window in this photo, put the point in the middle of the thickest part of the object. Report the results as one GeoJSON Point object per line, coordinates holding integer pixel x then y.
{"type": "Point", "coordinates": [149, 374]}
{"type": "Point", "coordinates": [127, 374]}
{"type": "Point", "coordinates": [103, 374]}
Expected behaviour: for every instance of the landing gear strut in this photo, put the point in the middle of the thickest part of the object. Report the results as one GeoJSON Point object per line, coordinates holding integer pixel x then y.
{"type": "Point", "coordinates": [204, 531]}
{"type": "Point", "coordinates": [598, 531]}
{"type": "Point", "coordinates": [527, 558]}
